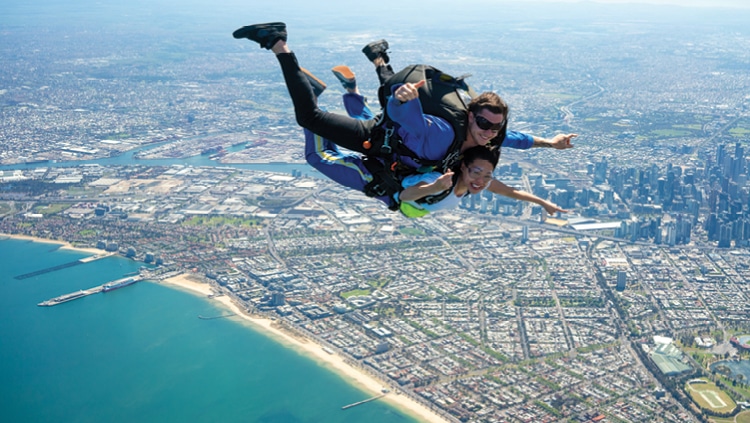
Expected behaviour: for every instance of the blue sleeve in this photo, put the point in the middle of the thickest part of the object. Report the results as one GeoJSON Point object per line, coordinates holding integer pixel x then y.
{"type": "Point", "coordinates": [407, 115]}
{"type": "Point", "coordinates": [428, 136]}
{"type": "Point", "coordinates": [519, 140]}
{"type": "Point", "coordinates": [356, 106]}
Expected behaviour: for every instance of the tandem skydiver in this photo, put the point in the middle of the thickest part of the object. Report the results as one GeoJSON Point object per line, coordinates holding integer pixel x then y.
{"type": "Point", "coordinates": [418, 193]}
{"type": "Point", "coordinates": [429, 137]}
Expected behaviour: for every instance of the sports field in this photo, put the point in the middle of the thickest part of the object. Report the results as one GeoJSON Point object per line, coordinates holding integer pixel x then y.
{"type": "Point", "coordinates": [743, 417]}
{"type": "Point", "coordinates": [709, 396]}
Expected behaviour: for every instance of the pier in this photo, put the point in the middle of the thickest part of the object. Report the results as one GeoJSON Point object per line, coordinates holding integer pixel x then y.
{"type": "Point", "coordinates": [71, 296]}
{"type": "Point", "coordinates": [109, 286]}
{"type": "Point", "coordinates": [354, 404]}
{"type": "Point", "coordinates": [95, 257]}
{"type": "Point", "coordinates": [215, 317]}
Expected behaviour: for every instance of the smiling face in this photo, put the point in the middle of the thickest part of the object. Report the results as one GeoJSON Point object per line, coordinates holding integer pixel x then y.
{"type": "Point", "coordinates": [483, 127]}
{"type": "Point", "coordinates": [475, 177]}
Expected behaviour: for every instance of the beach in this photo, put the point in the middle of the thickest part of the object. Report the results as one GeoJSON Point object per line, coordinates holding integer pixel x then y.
{"type": "Point", "coordinates": [272, 329]}
{"type": "Point", "coordinates": [334, 362]}
{"type": "Point", "coordinates": [63, 244]}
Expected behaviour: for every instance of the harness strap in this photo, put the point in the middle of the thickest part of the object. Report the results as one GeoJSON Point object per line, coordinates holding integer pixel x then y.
{"type": "Point", "coordinates": [384, 181]}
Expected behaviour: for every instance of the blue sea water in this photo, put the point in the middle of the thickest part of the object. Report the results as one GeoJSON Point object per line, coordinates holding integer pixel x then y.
{"type": "Point", "coordinates": [141, 354]}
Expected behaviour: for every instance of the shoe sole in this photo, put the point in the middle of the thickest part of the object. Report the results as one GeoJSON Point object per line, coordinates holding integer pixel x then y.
{"type": "Point", "coordinates": [317, 85]}
{"type": "Point", "coordinates": [313, 77]}
{"type": "Point", "coordinates": [343, 73]}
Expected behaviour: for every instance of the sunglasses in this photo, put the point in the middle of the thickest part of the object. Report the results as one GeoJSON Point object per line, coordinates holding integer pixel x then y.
{"type": "Point", "coordinates": [478, 172]}
{"type": "Point", "coordinates": [485, 124]}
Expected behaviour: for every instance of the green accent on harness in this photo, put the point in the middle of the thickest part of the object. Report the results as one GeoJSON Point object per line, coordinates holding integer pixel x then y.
{"type": "Point", "coordinates": [409, 210]}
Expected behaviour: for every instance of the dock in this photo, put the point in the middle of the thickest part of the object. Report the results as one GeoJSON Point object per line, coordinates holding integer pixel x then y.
{"type": "Point", "coordinates": [95, 257]}
{"type": "Point", "coordinates": [354, 404]}
{"type": "Point", "coordinates": [71, 296]}
{"type": "Point", "coordinates": [86, 292]}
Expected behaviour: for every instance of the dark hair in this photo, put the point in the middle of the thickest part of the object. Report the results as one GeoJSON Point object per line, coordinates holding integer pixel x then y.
{"type": "Point", "coordinates": [490, 101]}
{"type": "Point", "coordinates": [481, 152]}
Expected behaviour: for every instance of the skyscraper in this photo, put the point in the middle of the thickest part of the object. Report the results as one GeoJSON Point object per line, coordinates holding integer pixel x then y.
{"type": "Point", "coordinates": [621, 280]}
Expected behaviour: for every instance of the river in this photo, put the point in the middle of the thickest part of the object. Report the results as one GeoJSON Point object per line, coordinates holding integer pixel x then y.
{"type": "Point", "coordinates": [128, 159]}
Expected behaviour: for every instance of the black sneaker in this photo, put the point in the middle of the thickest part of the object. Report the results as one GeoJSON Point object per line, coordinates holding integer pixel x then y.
{"type": "Point", "coordinates": [377, 49]}
{"type": "Point", "coordinates": [317, 85]}
{"type": "Point", "coordinates": [264, 34]}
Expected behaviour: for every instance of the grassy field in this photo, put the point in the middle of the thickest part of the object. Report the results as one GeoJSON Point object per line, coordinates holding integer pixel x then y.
{"type": "Point", "coordinates": [743, 417]}
{"type": "Point", "coordinates": [669, 133]}
{"type": "Point", "coordinates": [49, 209]}
{"type": "Point", "coordinates": [710, 397]}
{"type": "Point", "coordinates": [355, 292]}
{"type": "Point", "coordinates": [214, 221]}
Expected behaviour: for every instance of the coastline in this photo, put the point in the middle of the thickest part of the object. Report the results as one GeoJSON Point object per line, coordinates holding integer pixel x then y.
{"type": "Point", "coordinates": [63, 244]}
{"type": "Point", "coordinates": [334, 362]}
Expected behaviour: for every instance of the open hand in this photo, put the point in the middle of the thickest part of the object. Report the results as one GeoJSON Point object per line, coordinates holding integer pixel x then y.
{"type": "Point", "coordinates": [562, 141]}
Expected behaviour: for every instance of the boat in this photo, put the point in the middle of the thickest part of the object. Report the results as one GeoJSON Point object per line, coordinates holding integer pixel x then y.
{"type": "Point", "coordinates": [120, 283]}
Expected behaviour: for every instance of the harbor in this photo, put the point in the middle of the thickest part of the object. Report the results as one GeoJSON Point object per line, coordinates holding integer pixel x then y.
{"type": "Point", "coordinates": [109, 286]}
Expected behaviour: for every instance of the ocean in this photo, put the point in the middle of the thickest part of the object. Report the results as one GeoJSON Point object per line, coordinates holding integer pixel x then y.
{"type": "Point", "coordinates": [140, 354]}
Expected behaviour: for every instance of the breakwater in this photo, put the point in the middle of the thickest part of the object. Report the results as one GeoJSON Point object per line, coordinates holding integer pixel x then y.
{"type": "Point", "coordinates": [48, 270]}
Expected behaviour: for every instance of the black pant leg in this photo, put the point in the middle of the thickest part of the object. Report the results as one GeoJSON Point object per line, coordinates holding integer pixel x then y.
{"type": "Point", "coordinates": [384, 72]}
{"type": "Point", "coordinates": [342, 130]}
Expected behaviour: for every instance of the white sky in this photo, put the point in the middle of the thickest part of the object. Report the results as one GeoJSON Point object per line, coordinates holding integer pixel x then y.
{"type": "Point", "coordinates": [743, 4]}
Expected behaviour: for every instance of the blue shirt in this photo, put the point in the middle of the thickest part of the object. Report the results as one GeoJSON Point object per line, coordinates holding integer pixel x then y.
{"type": "Point", "coordinates": [430, 137]}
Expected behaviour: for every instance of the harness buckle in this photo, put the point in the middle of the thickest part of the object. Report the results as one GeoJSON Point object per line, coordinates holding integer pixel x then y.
{"type": "Point", "coordinates": [386, 147]}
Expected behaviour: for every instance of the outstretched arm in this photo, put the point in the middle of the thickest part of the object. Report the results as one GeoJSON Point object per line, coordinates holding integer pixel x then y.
{"type": "Point", "coordinates": [423, 189]}
{"type": "Point", "coordinates": [559, 141]}
{"type": "Point", "coordinates": [497, 187]}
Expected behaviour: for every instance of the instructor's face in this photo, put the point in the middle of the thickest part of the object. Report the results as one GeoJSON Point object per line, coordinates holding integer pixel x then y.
{"type": "Point", "coordinates": [484, 126]}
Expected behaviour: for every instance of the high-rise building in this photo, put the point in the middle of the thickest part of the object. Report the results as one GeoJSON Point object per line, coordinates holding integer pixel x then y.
{"type": "Point", "coordinates": [725, 235]}
{"type": "Point", "coordinates": [621, 280]}
{"type": "Point", "coordinates": [600, 172]}
{"type": "Point", "coordinates": [738, 164]}
{"type": "Point", "coordinates": [473, 201]}
{"type": "Point", "coordinates": [671, 234]}
{"type": "Point", "coordinates": [277, 299]}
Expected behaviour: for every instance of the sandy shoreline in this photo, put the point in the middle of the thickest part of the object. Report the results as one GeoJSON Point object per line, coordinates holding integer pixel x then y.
{"type": "Point", "coordinates": [334, 362]}
{"type": "Point", "coordinates": [63, 244]}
